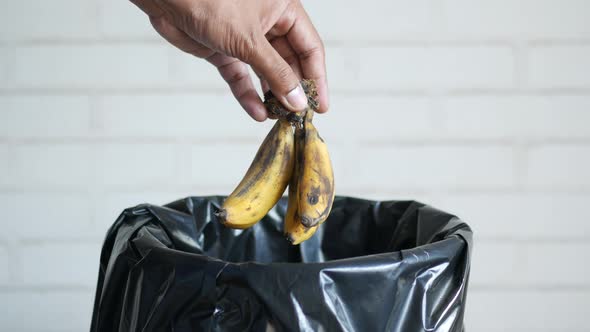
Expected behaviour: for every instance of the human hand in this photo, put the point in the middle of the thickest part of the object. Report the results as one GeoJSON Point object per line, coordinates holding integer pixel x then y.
{"type": "Point", "coordinates": [275, 37]}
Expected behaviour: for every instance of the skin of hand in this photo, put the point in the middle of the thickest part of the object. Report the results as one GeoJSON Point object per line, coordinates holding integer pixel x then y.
{"type": "Point", "coordinates": [275, 37]}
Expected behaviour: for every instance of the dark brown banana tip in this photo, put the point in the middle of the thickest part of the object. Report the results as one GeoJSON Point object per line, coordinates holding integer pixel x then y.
{"type": "Point", "coordinates": [290, 238]}
{"type": "Point", "coordinates": [221, 216]}
{"type": "Point", "coordinates": [275, 108]}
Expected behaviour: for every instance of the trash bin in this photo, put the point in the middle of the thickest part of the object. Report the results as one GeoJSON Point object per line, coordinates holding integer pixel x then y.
{"type": "Point", "coordinates": [372, 266]}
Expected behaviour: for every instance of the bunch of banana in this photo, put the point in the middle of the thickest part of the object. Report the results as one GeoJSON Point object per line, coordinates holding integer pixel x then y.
{"type": "Point", "coordinates": [298, 158]}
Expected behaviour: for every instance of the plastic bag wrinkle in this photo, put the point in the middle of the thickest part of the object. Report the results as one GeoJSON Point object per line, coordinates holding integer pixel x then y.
{"type": "Point", "coordinates": [372, 266]}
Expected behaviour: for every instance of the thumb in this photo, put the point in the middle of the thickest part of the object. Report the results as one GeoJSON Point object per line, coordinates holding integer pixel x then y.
{"type": "Point", "coordinates": [281, 79]}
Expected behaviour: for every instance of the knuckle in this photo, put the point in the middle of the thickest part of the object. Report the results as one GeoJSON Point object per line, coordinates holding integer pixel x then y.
{"type": "Point", "coordinates": [243, 46]}
{"type": "Point", "coordinates": [236, 77]}
{"type": "Point", "coordinates": [314, 51]}
{"type": "Point", "coordinates": [291, 59]}
{"type": "Point", "coordinates": [283, 73]}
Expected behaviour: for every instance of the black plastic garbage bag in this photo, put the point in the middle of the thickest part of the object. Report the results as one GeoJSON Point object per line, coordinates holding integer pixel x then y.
{"type": "Point", "coordinates": [373, 266]}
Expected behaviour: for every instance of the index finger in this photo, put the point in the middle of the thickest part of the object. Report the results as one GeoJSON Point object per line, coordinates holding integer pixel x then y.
{"type": "Point", "coordinates": [308, 46]}
{"type": "Point", "coordinates": [149, 7]}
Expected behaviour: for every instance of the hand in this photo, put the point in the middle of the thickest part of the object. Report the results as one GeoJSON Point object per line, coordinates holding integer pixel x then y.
{"type": "Point", "coordinates": [275, 37]}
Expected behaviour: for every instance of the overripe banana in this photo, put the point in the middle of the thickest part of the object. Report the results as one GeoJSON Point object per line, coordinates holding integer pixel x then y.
{"type": "Point", "coordinates": [294, 230]}
{"type": "Point", "coordinates": [300, 160]}
{"type": "Point", "coordinates": [264, 182]}
{"type": "Point", "coordinates": [316, 177]}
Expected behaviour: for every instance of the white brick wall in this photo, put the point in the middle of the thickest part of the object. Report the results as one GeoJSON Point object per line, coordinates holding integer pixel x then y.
{"type": "Point", "coordinates": [435, 167]}
{"type": "Point", "coordinates": [420, 67]}
{"type": "Point", "coordinates": [46, 310]}
{"type": "Point", "coordinates": [516, 19]}
{"type": "Point", "coordinates": [34, 20]}
{"type": "Point", "coordinates": [517, 117]}
{"type": "Point", "coordinates": [527, 310]}
{"type": "Point", "coordinates": [415, 112]}
{"type": "Point", "coordinates": [110, 204]}
{"type": "Point", "coordinates": [90, 65]}
{"type": "Point", "coordinates": [560, 66]}
{"type": "Point", "coordinates": [122, 20]}
{"type": "Point", "coordinates": [46, 164]}
{"type": "Point", "coordinates": [201, 116]}
{"type": "Point", "coordinates": [44, 116]}
{"type": "Point", "coordinates": [464, 67]}
{"type": "Point", "coordinates": [559, 166]}
{"type": "Point", "coordinates": [370, 20]}
{"type": "Point", "coordinates": [549, 215]}
{"type": "Point", "coordinates": [49, 219]}
{"type": "Point", "coordinates": [481, 108]}
{"type": "Point", "coordinates": [526, 264]}
{"type": "Point", "coordinates": [135, 164]}
{"type": "Point", "coordinates": [4, 266]}
{"type": "Point", "coordinates": [59, 264]}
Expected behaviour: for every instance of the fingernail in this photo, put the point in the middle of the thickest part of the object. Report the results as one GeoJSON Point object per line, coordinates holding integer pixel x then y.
{"type": "Point", "coordinates": [297, 99]}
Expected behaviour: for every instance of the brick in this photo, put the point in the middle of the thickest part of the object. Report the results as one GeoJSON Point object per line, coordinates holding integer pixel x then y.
{"type": "Point", "coordinates": [343, 67]}
{"type": "Point", "coordinates": [135, 164]}
{"type": "Point", "coordinates": [235, 159]}
{"type": "Point", "coordinates": [4, 265]}
{"type": "Point", "coordinates": [345, 163]}
{"type": "Point", "coordinates": [559, 66]}
{"type": "Point", "coordinates": [548, 216]}
{"type": "Point", "coordinates": [504, 19]}
{"type": "Point", "coordinates": [522, 264]}
{"type": "Point", "coordinates": [380, 20]}
{"type": "Point", "coordinates": [104, 66]}
{"type": "Point", "coordinates": [220, 166]}
{"type": "Point", "coordinates": [30, 19]}
{"type": "Point", "coordinates": [45, 215]}
{"type": "Point", "coordinates": [559, 165]}
{"type": "Point", "coordinates": [5, 64]}
{"type": "Point", "coordinates": [48, 264]}
{"type": "Point", "coordinates": [382, 195]}
{"type": "Point", "coordinates": [48, 311]}
{"type": "Point", "coordinates": [436, 67]}
{"type": "Point", "coordinates": [108, 209]}
{"type": "Point", "coordinates": [49, 165]}
{"type": "Point", "coordinates": [430, 167]}
{"type": "Point", "coordinates": [538, 117]}
{"type": "Point", "coordinates": [186, 69]}
{"type": "Point", "coordinates": [122, 19]}
{"type": "Point", "coordinates": [43, 116]}
{"type": "Point", "coordinates": [177, 115]}
{"type": "Point", "coordinates": [522, 310]}
{"type": "Point", "coordinates": [390, 118]}
{"type": "Point", "coordinates": [7, 165]}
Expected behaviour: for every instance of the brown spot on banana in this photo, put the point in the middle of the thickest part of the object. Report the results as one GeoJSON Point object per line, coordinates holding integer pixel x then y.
{"type": "Point", "coordinates": [312, 199]}
{"type": "Point", "coordinates": [313, 196]}
{"type": "Point", "coordinates": [266, 156]}
{"type": "Point", "coordinates": [264, 182]}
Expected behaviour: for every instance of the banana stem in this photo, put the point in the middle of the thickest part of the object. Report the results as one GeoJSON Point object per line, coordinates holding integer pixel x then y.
{"type": "Point", "coordinates": [274, 106]}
